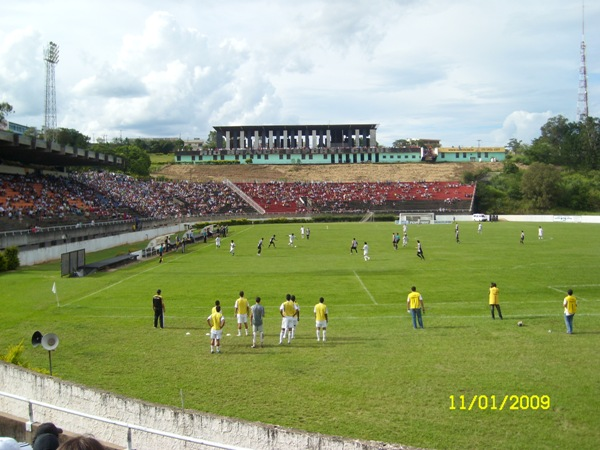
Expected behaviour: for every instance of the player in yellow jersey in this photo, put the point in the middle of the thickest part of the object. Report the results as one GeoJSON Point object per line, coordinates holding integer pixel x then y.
{"type": "Point", "coordinates": [321, 318]}
{"type": "Point", "coordinates": [288, 311]}
{"type": "Point", "coordinates": [242, 307]}
{"type": "Point", "coordinates": [415, 306]}
{"type": "Point", "coordinates": [494, 291]}
{"type": "Point", "coordinates": [570, 305]}
{"type": "Point", "coordinates": [216, 322]}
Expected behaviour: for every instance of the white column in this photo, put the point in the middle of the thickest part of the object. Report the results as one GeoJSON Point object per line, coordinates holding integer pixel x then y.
{"type": "Point", "coordinates": [357, 138]}
{"type": "Point", "coordinates": [242, 143]}
{"type": "Point", "coordinates": [328, 138]}
{"type": "Point", "coordinates": [270, 143]}
{"type": "Point", "coordinates": [373, 137]}
{"type": "Point", "coordinates": [314, 139]}
{"type": "Point", "coordinates": [256, 142]}
{"type": "Point", "coordinates": [300, 145]}
{"type": "Point", "coordinates": [228, 140]}
{"type": "Point", "coordinates": [285, 139]}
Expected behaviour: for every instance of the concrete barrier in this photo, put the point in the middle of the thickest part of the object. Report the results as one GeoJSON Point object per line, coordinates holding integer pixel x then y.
{"type": "Point", "coordinates": [32, 385]}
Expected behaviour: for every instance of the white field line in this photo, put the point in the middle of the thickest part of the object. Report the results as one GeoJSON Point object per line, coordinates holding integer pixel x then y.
{"type": "Point", "coordinates": [365, 288]}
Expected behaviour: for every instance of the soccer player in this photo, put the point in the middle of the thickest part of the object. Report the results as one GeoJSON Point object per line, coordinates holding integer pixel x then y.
{"type": "Point", "coordinates": [420, 250]}
{"type": "Point", "coordinates": [288, 312]}
{"type": "Point", "coordinates": [241, 311]}
{"type": "Point", "coordinates": [272, 242]}
{"type": "Point", "coordinates": [354, 246]}
{"type": "Point", "coordinates": [260, 243]}
{"type": "Point", "coordinates": [366, 252]}
{"type": "Point", "coordinates": [296, 317]}
{"type": "Point", "coordinates": [570, 305]}
{"type": "Point", "coordinates": [257, 313]}
{"type": "Point", "coordinates": [232, 248]}
{"type": "Point", "coordinates": [540, 233]}
{"type": "Point", "coordinates": [292, 237]}
{"type": "Point", "coordinates": [457, 238]}
{"type": "Point", "coordinates": [218, 242]}
{"type": "Point", "coordinates": [158, 305]}
{"type": "Point", "coordinates": [414, 304]}
{"type": "Point", "coordinates": [216, 322]}
{"type": "Point", "coordinates": [522, 240]}
{"type": "Point", "coordinates": [302, 231]}
{"type": "Point", "coordinates": [494, 293]}
{"type": "Point", "coordinates": [404, 240]}
{"type": "Point", "coordinates": [321, 318]}
{"type": "Point", "coordinates": [307, 233]}
{"type": "Point", "coordinates": [479, 228]}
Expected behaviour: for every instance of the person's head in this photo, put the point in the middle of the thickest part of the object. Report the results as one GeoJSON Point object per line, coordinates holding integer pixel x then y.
{"type": "Point", "coordinates": [84, 442]}
{"type": "Point", "coordinates": [365, 242]}
{"type": "Point", "coordinates": [414, 288]}
{"type": "Point", "coordinates": [217, 303]}
{"type": "Point", "coordinates": [492, 284]}
{"type": "Point", "coordinates": [218, 308]}
{"type": "Point", "coordinates": [46, 437]}
{"type": "Point", "coordinates": [241, 293]}
{"type": "Point", "coordinates": [418, 241]}
{"type": "Point", "coordinates": [257, 299]}
{"type": "Point", "coordinates": [322, 300]}
{"type": "Point", "coordinates": [288, 296]}
{"type": "Point", "coordinates": [158, 291]}
{"type": "Point", "coordinates": [570, 292]}
{"type": "Point", "coordinates": [293, 298]}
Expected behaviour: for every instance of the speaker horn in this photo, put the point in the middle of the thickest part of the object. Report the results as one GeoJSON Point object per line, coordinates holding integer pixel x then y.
{"type": "Point", "coordinates": [36, 339]}
{"type": "Point", "coordinates": [50, 341]}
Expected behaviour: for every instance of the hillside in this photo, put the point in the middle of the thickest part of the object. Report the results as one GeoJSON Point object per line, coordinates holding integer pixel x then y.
{"type": "Point", "coordinates": [337, 173]}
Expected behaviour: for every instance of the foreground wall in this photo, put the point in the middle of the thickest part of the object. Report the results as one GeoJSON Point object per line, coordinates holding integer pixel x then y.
{"type": "Point", "coordinates": [35, 386]}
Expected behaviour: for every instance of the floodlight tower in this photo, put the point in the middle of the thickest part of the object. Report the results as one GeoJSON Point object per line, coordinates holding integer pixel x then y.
{"type": "Point", "coordinates": [51, 57]}
{"type": "Point", "coordinates": [582, 100]}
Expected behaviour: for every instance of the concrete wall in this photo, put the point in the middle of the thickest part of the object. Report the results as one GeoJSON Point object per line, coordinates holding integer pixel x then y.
{"type": "Point", "coordinates": [35, 386]}
{"type": "Point", "coordinates": [45, 254]}
{"type": "Point", "coordinates": [522, 218]}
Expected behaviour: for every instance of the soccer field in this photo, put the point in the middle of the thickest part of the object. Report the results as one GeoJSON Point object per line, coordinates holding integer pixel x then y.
{"type": "Point", "coordinates": [465, 381]}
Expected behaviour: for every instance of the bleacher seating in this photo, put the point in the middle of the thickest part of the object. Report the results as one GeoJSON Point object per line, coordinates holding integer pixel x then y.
{"type": "Point", "coordinates": [42, 200]}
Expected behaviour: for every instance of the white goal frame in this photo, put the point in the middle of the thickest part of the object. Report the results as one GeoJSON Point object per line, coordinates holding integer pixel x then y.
{"type": "Point", "coordinates": [416, 217]}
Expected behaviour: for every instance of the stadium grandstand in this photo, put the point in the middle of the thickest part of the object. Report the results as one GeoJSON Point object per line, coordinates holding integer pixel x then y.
{"type": "Point", "coordinates": [322, 144]}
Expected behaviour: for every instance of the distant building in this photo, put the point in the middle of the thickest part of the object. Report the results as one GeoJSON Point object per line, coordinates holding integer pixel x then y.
{"type": "Point", "coordinates": [471, 154]}
{"type": "Point", "coordinates": [303, 144]}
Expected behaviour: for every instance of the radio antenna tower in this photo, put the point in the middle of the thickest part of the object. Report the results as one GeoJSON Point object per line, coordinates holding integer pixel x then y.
{"type": "Point", "coordinates": [582, 101]}
{"type": "Point", "coordinates": [51, 57]}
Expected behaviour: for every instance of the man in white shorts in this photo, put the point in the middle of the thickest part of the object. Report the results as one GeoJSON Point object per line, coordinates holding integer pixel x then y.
{"type": "Point", "coordinates": [321, 318]}
{"type": "Point", "coordinates": [216, 322]}
{"type": "Point", "coordinates": [296, 317]}
{"type": "Point", "coordinates": [288, 312]}
{"type": "Point", "coordinates": [242, 307]}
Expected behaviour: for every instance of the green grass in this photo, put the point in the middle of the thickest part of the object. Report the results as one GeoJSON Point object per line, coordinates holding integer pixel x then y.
{"type": "Point", "coordinates": [376, 378]}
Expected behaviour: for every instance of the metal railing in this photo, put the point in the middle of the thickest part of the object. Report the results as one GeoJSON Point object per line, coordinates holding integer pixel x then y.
{"type": "Point", "coordinates": [119, 423]}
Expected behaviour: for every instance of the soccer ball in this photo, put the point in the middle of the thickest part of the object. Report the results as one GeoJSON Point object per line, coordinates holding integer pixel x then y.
{"type": "Point", "coordinates": [519, 323]}
{"type": "Point", "coordinates": [295, 246]}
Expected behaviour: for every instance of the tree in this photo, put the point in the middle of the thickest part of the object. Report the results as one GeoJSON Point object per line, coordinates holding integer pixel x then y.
{"type": "Point", "coordinates": [137, 160]}
{"type": "Point", "coordinates": [211, 140]}
{"type": "Point", "coordinates": [541, 185]}
{"type": "Point", "coordinates": [69, 136]}
{"type": "Point", "coordinates": [5, 110]}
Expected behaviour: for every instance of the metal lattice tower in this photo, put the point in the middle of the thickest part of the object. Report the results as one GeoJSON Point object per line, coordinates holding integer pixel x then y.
{"type": "Point", "coordinates": [51, 58]}
{"type": "Point", "coordinates": [582, 101]}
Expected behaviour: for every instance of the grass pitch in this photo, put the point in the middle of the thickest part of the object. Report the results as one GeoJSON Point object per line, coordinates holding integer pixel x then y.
{"type": "Point", "coordinates": [465, 381]}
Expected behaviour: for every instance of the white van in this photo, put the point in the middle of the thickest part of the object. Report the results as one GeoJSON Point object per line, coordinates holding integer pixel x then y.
{"type": "Point", "coordinates": [480, 218]}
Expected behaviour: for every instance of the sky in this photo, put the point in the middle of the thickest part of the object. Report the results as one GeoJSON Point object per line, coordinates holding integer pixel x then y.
{"type": "Point", "coordinates": [467, 72]}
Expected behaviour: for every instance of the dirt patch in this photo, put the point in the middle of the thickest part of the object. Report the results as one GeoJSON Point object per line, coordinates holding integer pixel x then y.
{"type": "Point", "coordinates": [322, 172]}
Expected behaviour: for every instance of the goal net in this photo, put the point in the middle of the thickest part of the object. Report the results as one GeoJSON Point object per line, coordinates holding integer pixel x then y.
{"type": "Point", "coordinates": [420, 217]}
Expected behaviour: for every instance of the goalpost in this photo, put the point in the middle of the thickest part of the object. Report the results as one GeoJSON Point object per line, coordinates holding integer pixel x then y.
{"type": "Point", "coordinates": [416, 217]}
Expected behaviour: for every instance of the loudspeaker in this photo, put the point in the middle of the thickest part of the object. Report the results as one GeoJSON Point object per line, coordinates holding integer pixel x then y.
{"type": "Point", "coordinates": [36, 339]}
{"type": "Point", "coordinates": [50, 341]}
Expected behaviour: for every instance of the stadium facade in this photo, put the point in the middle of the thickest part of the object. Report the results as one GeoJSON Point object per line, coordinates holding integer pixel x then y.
{"type": "Point", "coordinates": [322, 144]}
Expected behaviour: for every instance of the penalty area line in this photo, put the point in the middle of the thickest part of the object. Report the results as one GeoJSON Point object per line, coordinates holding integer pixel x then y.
{"type": "Point", "coordinates": [365, 288]}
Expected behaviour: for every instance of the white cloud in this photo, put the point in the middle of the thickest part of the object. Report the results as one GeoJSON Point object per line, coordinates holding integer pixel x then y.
{"type": "Point", "coordinates": [461, 71]}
